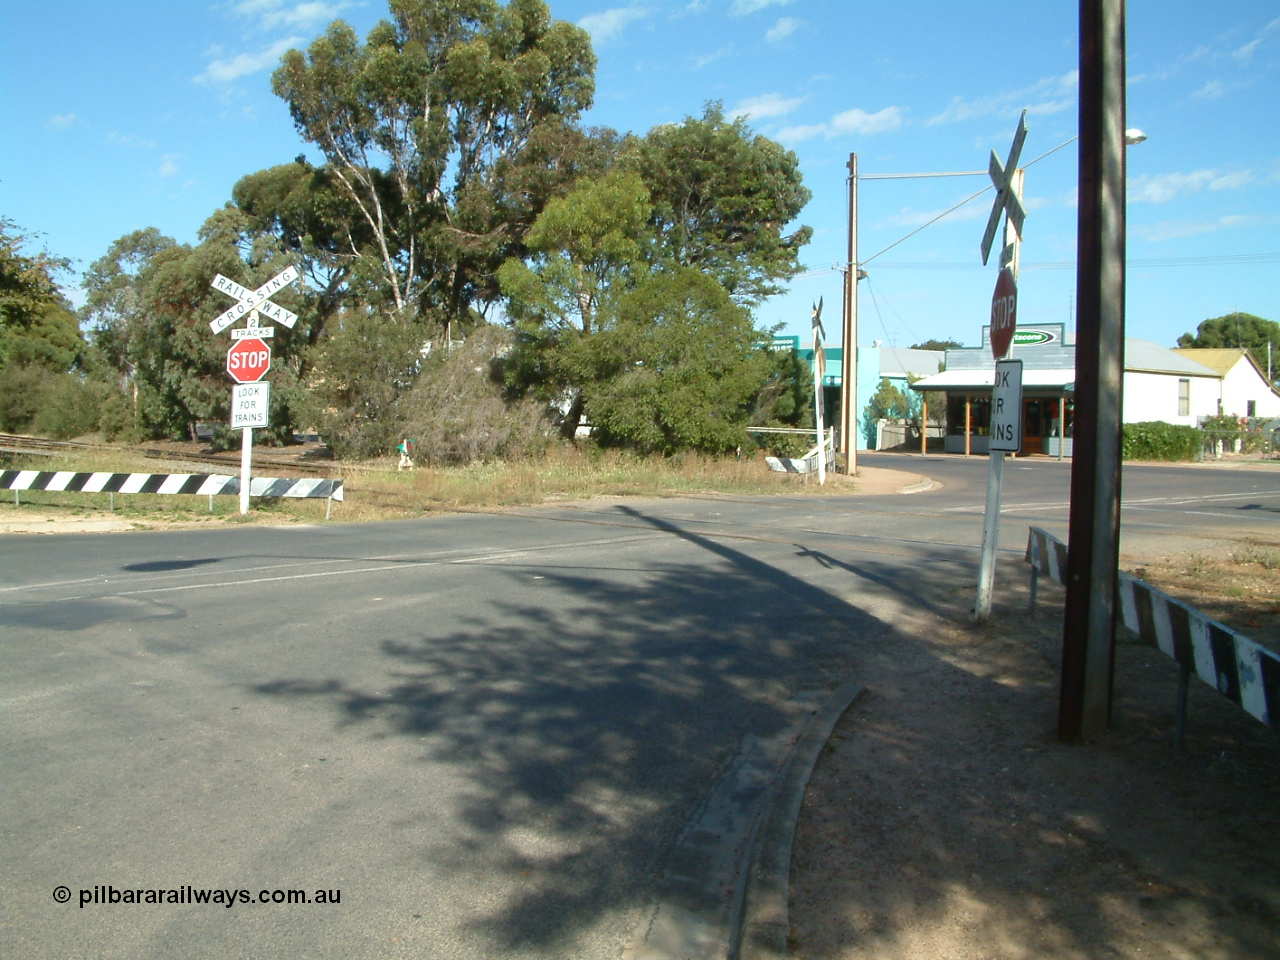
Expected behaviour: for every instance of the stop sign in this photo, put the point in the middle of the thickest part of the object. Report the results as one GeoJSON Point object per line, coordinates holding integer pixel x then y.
{"type": "Point", "coordinates": [1004, 313]}
{"type": "Point", "coordinates": [248, 360]}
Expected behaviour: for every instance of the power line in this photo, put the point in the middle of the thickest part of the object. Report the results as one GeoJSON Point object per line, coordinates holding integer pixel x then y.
{"type": "Point", "coordinates": [1206, 261]}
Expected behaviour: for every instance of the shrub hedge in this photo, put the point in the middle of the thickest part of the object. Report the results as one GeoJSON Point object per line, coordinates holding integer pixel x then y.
{"type": "Point", "coordinates": [1156, 440]}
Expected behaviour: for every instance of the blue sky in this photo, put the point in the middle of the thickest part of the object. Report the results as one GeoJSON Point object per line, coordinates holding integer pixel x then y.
{"type": "Point", "coordinates": [132, 114]}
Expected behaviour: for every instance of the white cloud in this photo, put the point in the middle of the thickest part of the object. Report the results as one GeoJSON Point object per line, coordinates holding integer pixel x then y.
{"type": "Point", "coordinates": [909, 219]}
{"type": "Point", "coordinates": [860, 122]}
{"type": "Point", "coordinates": [708, 58]}
{"type": "Point", "coordinates": [1212, 90]}
{"type": "Point", "coordinates": [769, 105]}
{"type": "Point", "coordinates": [62, 121]}
{"type": "Point", "coordinates": [168, 165]}
{"type": "Point", "coordinates": [803, 132]}
{"type": "Point", "coordinates": [288, 13]}
{"type": "Point", "coordinates": [1050, 95]}
{"type": "Point", "coordinates": [1245, 53]}
{"type": "Point", "coordinates": [1164, 187]}
{"type": "Point", "coordinates": [610, 24]}
{"type": "Point", "coordinates": [224, 71]}
{"type": "Point", "coordinates": [129, 140]}
{"type": "Point", "coordinates": [851, 122]}
{"type": "Point", "coordinates": [1179, 229]}
{"type": "Point", "coordinates": [742, 8]}
{"type": "Point", "coordinates": [784, 28]}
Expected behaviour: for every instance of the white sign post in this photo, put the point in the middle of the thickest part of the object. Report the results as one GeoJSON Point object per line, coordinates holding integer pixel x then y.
{"type": "Point", "coordinates": [1008, 182]}
{"type": "Point", "coordinates": [251, 402]}
{"type": "Point", "coordinates": [819, 370]}
{"type": "Point", "coordinates": [250, 406]}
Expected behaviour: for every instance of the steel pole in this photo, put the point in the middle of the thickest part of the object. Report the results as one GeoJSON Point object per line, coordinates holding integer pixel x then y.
{"type": "Point", "coordinates": [849, 360]}
{"type": "Point", "coordinates": [246, 452]}
{"type": "Point", "coordinates": [1088, 648]}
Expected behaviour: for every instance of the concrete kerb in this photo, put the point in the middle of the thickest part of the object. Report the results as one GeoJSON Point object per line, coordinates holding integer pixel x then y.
{"type": "Point", "coordinates": [762, 925]}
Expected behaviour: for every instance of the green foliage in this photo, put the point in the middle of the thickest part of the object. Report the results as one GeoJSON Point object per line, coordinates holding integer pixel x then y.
{"type": "Point", "coordinates": [150, 302]}
{"type": "Point", "coordinates": [786, 398]}
{"type": "Point", "coordinates": [457, 413]}
{"type": "Point", "coordinates": [35, 399]}
{"type": "Point", "coordinates": [1228, 430]}
{"type": "Point", "coordinates": [721, 199]}
{"type": "Point", "coordinates": [580, 245]}
{"type": "Point", "coordinates": [1238, 330]}
{"type": "Point", "coordinates": [887, 403]}
{"type": "Point", "coordinates": [360, 370]}
{"type": "Point", "coordinates": [36, 324]}
{"type": "Point", "coordinates": [69, 407]}
{"type": "Point", "coordinates": [20, 389]}
{"type": "Point", "coordinates": [50, 339]}
{"type": "Point", "coordinates": [27, 285]}
{"type": "Point", "coordinates": [420, 126]}
{"type": "Point", "coordinates": [1156, 440]}
{"type": "Point", "coordinates": [937, 345]}
{"type": "Point", "coordinates": [674, 366]}
{"type": "Point", "coordinates": [113, 293]}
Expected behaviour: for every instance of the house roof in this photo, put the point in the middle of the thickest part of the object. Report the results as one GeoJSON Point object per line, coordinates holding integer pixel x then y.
{"type": "Point", "coordinates": [1146, 357]}
{"type": "Point", "coordinates": [901, 362]}
{"type": "Point", "coordinates": [1221, 359]}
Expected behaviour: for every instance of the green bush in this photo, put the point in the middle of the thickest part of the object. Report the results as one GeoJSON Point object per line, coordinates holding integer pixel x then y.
{"type": "Point", "coordinates": [69, 407]}
{"type": "Point", "coordinates": [1156, 440]}
{"type": "Point", "coordinates": [20, 389]}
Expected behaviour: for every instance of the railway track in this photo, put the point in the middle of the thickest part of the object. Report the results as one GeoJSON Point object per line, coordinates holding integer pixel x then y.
{"type": "Point", "coordinates": [39, 446]}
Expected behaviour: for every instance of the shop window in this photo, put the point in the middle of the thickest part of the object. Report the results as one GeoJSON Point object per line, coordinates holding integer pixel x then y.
{"type": "Point", "coordinates": [979, 415]}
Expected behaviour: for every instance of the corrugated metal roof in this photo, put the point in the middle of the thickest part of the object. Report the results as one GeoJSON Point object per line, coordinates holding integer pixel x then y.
{"type": "Point", "coordinates": [1221, 359]}
{"type": "Point", "coordinates": [1148, 357]}
{"type": "Point", "coordinates": [901, 362]}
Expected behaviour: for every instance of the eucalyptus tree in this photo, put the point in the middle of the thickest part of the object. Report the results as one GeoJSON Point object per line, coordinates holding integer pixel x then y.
{"type": "Point", "coordinates": [723, 199]}
{"type": "Point", "coordinates": [417, 122]}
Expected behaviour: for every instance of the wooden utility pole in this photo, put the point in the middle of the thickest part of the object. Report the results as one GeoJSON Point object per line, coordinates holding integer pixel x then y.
{"type": "Point", "coordinates": [1088, 641]}
{"type": "Point", "coordinates": [849, 360]}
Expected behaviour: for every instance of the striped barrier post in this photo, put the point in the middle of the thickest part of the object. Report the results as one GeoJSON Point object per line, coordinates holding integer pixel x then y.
{"type": "Point", "coordinates": [198, 484]}
{"type": "Point", "coordinates": [1240, 669]}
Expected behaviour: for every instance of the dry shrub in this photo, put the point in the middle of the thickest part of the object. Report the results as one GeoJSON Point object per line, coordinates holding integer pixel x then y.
{"type": "Point", "coordinates": [457, 413]}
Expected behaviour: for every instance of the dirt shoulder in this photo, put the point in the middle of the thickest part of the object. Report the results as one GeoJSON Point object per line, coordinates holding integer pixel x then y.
{"type": "Point", "coordinates": [945, 820]}
{"type": "Point", "coordinates": [28, 518]}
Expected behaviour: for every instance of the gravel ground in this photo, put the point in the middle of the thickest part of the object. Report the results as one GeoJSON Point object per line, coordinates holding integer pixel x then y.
{"type": "Point", "coordinates": [945, 820]}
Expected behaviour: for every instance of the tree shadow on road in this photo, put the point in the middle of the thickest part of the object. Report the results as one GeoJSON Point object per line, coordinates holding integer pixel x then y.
{"type": "Point", "coordinates": [588, 711]}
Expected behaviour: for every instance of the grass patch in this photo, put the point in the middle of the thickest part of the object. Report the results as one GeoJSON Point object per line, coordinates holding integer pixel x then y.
{"type": "Point", "coordinates": [375, 490]}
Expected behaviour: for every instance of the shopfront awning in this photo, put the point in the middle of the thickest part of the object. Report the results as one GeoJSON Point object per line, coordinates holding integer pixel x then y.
{"type": "Point", "coordinates": [981, 381]}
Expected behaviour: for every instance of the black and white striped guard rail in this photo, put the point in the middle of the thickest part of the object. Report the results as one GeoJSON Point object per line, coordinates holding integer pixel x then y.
{"type": "Point", "coordinates": [1239, 668]}
{"type": "Point", "coordinates": [199, 484]}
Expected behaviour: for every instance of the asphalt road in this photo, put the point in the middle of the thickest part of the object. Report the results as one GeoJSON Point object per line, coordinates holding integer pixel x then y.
{"type": "Point", "coordinates": [484, 732]}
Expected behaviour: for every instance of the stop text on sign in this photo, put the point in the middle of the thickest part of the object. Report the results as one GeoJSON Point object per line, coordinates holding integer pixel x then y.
{"type": "Point", "coordinates": [248, 360]}
{"type": "Point", "coordinates": [1004, 313]}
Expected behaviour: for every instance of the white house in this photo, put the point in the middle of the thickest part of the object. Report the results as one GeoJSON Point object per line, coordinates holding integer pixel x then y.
{"type": "Point", "coordinates": [1244, 390]}
{"type": "Point", "coordinates": [1159, 384]}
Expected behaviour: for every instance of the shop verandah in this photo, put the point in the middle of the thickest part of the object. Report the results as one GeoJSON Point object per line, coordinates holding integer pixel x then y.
{"type": "Point", "coordinates": [1048, 410]}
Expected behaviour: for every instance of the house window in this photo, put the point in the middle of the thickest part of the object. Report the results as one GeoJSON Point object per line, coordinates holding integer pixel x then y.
{"type": "Point", "coordinates": [1184, 398]}
{"type": "Point", "coordinates": [1253, 408]}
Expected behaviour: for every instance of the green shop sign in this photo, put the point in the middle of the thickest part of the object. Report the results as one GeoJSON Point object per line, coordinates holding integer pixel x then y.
{"type": "Point", "coordinates": [1031, 338]}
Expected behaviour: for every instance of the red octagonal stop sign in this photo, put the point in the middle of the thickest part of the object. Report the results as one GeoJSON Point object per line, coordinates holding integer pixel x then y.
{"type": "Point", "coordinates": [248, 360]}
{"type": "Point", "coordinates": [1004, 313]}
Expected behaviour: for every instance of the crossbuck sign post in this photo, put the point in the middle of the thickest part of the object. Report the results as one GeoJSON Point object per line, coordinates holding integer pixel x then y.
{"type": "Point", "coordinates": [249, 358]}
{"type": "Point", "coordinates": [1007, 387]}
